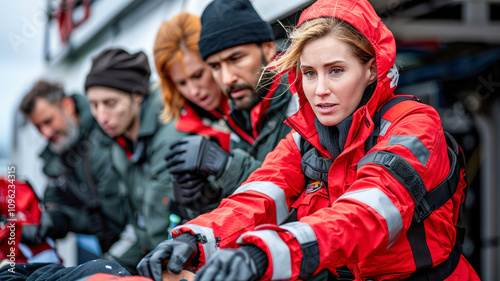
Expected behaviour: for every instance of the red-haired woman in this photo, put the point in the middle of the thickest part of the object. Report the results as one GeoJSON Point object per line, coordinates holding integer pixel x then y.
{"type": "Point", "coordinates": [192, 98]}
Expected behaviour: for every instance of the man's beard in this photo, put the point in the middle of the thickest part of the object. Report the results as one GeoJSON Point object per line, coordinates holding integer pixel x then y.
{"type": "Point", "coordinates": [69, 136]}
{"type": "Point", "coordinates": [265, 80]}
{"type": "Point", "coordinates": [252, 101]}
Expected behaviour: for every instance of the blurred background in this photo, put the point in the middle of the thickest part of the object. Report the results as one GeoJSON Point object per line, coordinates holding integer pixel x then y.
{"type": "Point", "coordinates": [448, 51]}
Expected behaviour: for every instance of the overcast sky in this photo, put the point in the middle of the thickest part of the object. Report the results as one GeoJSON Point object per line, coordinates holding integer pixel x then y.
{"type": "Point", "coordinates": [22, 26]}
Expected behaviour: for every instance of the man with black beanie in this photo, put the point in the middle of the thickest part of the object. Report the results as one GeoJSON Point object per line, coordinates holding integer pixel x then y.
{"type": "Point", "coordinates": [117, 87]}
{"type": "Point", "coordinates": [237, 44]}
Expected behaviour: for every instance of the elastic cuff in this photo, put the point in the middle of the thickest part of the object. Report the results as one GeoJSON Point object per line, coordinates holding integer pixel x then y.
{"type": "Point", "coordinates": [258, 256]}
{"type": "Point", "coordinates": [187, 237]}
{"type": "Point", "coordinates": [205, 238]}
{"type": "Point", "coordinates": [191, 239]}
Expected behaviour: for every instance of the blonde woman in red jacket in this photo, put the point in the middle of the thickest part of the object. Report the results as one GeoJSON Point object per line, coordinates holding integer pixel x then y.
{"type": "Point", "coordinates": [356, 206]}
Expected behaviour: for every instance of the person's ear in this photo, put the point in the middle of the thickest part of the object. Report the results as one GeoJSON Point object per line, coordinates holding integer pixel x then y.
{"type": "Point", "coordinates": [68, 106]}
{"type": "Point", "coordinates": [137, 99]}
{"type": "Point", "coordinates": [269, 50]}
{"type": "Point", "coordinates": [372, 68]}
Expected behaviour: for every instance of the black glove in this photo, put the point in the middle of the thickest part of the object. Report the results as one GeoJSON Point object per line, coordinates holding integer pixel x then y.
{"type": "Point", "coordinates": [96, 225]}
{"type": "Point", "coordinates": [188, 188]}
{"type": "Point", "coordinates": [53, 224]}
{"type": "Point", "coordinates": [98, 228]}
{"type": "Point", "coordinates": [179, 252]}
{"type": "Point", "coordinates": [242, 264]}
{"type": "Point", "coordinates": [195, 154]}
{"type": "Point", "coordinates": [29, 234]}
{"type": "Point", "coordinates": [194, 191]}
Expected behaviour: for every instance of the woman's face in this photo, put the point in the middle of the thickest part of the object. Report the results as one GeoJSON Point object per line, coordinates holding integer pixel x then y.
{"type": "Point", "coordinates": [195, 82]}
{"type": "Point", "coordinates": [333, 79]}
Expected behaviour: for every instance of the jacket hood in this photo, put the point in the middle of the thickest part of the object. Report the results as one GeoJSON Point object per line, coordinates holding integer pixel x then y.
{"type": "Point", "coordinates": [361, 15]}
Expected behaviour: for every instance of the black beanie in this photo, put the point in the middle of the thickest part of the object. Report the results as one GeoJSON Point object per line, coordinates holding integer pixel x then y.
{"type": "Point", "coordinates": [229, 23]}
{"type": "Point", "coordinates": [120, 70]}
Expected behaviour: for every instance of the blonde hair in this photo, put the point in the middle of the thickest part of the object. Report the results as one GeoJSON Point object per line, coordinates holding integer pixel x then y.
{"type": "Point", "coordinates": [315, 29]}
{"type": "Point", "coordinates": [176, 36]}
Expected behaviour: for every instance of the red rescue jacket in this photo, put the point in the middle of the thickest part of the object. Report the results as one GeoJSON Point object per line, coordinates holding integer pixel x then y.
{"type": "Point", "coordinates": [363, 217]}
{"type": "Point", "coordinates": [19, 206]}
{"type": "Point", "coordinates": [191, 122]}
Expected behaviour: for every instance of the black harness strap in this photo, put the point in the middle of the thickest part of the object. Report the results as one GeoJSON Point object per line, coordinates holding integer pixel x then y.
{"type": "Point", "coordinates": [418, 244]}
{"type": "Point", "coordinates": [401, 170]}
{"type": "Point", "coordinates": [425, 202]}
{"type": "Point", "coordinates": [444, 269]}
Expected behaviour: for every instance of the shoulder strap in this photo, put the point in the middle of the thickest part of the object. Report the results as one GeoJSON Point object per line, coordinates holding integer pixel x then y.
{"type": "Point", "coordinates": [434, 200]}
{"type": "Point", "coordinates": [382, 112]}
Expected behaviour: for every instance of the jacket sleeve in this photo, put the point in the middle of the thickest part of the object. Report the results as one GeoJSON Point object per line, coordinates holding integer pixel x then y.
{"type": "Point", "coordinates": [372, 215]}
{"type": "Point", "coordinates": [241, 166]}
{"type": "Point", "coordinates": [160, 189]}
{"type": "Point", "coordinates": [265, 197]}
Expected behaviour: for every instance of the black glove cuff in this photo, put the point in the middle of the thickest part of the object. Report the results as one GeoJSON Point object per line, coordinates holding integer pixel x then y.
{"type": "Point", "coordinates": [188, 238]}
{"type": "Point", "coordinates": [258, 256]}
{"type": "Point", "coordinates": [193, 240]}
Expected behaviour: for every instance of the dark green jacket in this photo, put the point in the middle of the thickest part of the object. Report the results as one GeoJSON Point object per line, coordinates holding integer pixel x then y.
{"type": "Point", "coordinates": [82, 183]}
{"type": "Point", "coordinates": [147, 178]}
{"type": "Point", "coordinates": [246, 157]}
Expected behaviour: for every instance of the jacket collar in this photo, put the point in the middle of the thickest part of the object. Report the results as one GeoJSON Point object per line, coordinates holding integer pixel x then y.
{"type": "Point", "coordinates": [248, 124]}
{"type": "Point", "coordinates": [192, 115]}
{"type": "Point", "coordinates": [149, 116]}
{"type": "Point", "coordinates": [193, 120]}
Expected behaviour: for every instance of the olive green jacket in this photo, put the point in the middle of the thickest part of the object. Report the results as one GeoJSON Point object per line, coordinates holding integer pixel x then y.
{"type": "Point", "coordinates": [82, 181]}
{"type": "Point", "coordinates": [147, 178]}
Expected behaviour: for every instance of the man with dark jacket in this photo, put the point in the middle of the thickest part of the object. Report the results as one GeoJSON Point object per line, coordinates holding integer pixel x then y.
{"type": "Point", "coordinates": [83, 193]}
{"type": "Point", "coordinates": [237, 44]}
{"type": "Point", "coordinates": [117, 87]}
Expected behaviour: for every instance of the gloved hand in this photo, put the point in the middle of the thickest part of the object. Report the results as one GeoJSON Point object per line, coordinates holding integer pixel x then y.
{"type": "Point", "coordinates": [32, 234]}
{"type": "Point", "coordinates": [188, 188]}
{"type": "Point", "coordinates": [29, 234]}
{"type": "Point", "coordinates": [179, 252]}
{"type": "Point", "coordinates": [96, 225]}
{"type": "Point", "coordinates": [98, 228]}
{"type": "Point", "coordinates": [53, 224]}
{"type": "Point", "coordinates": [195, 154]}
{"type": "Point", "coordinates": [193, 191]}
{"type": "Point", "coordinates": [242, 264]}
